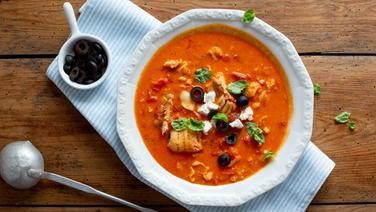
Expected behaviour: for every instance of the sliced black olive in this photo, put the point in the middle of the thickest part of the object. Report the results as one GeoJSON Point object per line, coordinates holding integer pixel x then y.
{"type": "Point", "coordinates": [231, 139]}
{"type": "Point", "coordinates": [221, 126]}
{"type": "Point", "coordinates": [73, 75]}
{"type": "Point", "coordinates": [98, 48]}
{"type": "Point", "coordinates": [81, 63]}
{"type": "Point", "coordinates": [104, 63]}
{"type": "Point", "coordinates": [242, 101]}
{"type": "Point", "coordinates": [99, 59]}
{"type": "Point", "coordinates": [67, 68]}
{"type": "Point", "coordinates": [88, 81]}
{"type": "Point", "coordinates": [92, 66]}
{"type": "Point", "coordinates": [82, 48]}
{"type": "Point", "coordinates": [197, 94]}
{"type": "Point", "coordinates": [81, 77]}
{"type": "Point", "coordinates": [224, 160]}
{"type": "Point", "coordinates": [212, 113]}
{"type": "Point", "coordinates": [95, 75]}
{"type": "Point", "coordinates": [69, 59]}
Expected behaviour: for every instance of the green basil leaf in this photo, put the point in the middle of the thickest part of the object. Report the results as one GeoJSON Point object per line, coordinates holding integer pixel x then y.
{"type": "Point", "coordinates": [342, 118]}
{"type": "Point", "coordinates": [254, 131]}
{"type": "Point", "coordinates": [317, 89]}
{"type": "Point", "coordinates": [248, 17]}
{"type": "Point", "coordinates": [237, 87]}
{"type": "Point", "coordinates": [179, 124]}
{"type": "Point", "coordinates": [195, 125]}
{"type": "Point", "coordinates": [352, 125]}
{"type": "Point", "coordinates": [220, 116]}
{"type": "Point", "coordinates": [203, 75]}
{"type": "Point", "coordinates": [268, 155]}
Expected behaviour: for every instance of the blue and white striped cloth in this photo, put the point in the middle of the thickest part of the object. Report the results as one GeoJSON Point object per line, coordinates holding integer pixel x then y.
{"type": "Point", "coordinates": [121, 24]}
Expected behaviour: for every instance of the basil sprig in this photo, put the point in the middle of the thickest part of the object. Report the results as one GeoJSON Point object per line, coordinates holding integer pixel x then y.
{"type": "Point", "coordinates": [268, 155]}
{"type": "Point", "coordinates": [342, 118]}
{"type": "Point", "coordinates": [191, 124]}
{"type": "Point", "coordinates": [249, 15]}
{"type": "Point", "coordinates": [254, 131]}
{"type": "Point", "coordinates": [317, 89]}
{"type": "Point", "coordinates": [203, 75]}
{"type": "Point", "coordinates": [220, 116]}
{"type": "Point", "coordinates": [237, 87]}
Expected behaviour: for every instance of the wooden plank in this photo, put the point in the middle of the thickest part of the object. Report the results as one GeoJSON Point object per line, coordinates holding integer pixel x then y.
{"type": "Point", "coordinates": [348, 84]}
{"type": "Point", "coordinates": [31, 107]}
{"type": "Point", "coordinates": [39, 27]}
{"type": "Point", "coordinates": [342, 208]}
{"type": "Point", "coordinates": [312, 208]}
{"type": "Point", "coordinates": [86, 209]}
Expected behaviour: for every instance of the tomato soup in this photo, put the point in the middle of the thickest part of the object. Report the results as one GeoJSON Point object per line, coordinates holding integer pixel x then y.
{"type": "Point", "coordinates": [213, 105]}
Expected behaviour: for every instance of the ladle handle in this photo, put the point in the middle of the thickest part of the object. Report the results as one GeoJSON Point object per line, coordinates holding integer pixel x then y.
{"type": "Point", "coordinates": [71, 18]}
{"type": "Point", "coordinates": [82, 187]}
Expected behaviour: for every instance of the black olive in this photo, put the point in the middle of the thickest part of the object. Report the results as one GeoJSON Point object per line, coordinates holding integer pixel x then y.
{"type": "Point", "coordinates": [231, 139]}
{"type": "Point", "coordinates": [104, 61]}
{"type": "Point", "coordinates": [67, 68]}
{"type": "Point", "coordinates": [88, 81]}
{"type": "Point", "coordinates": [92, 66]}
{"type": "Point", "coordinates": [69, 59]}
{"type": "Point", "coordinates": [74, 73]}
{"type": "Point", "coordinates": [97, 47]}
{"type": "Point", "coordinates": [224, 160]}
{"type": "Point", "coordinates": [212, 113]}
{"type": "Point", "coordinates": [242, 101]}
{"type": "Point", "coordinates": [197, 94]}
{"type": "Point", "coordinates": [221, 126]}
{"type": "Point", "coordinates": [95, 75]}
{"type": "Point", "coordinates": [99, 59]}
{"type": "Point", "coordinates": [81, 48]}
{"type": "Point", "coordinates": [81, 77]}
{"type": "Point", "coordinates": [81, 63]}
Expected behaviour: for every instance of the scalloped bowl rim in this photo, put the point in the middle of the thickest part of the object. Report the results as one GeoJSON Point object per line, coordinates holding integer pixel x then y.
{"type": "Point", "coordinates": [300, 126]}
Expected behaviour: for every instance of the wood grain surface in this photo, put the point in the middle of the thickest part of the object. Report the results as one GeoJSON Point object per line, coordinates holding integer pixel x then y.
{"type": "Point", "coordinates": [312, 208]}
{"type": "Point", "coordinates": [39, 27]}
{"type": "Point", "coordinates": [72, 148]}
{"type": "Point", "coordinates": [335, 39]}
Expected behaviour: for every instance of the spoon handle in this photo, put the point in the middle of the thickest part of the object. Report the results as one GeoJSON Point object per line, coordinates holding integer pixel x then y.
{"type": "Point", "coordinates": [82, 187]}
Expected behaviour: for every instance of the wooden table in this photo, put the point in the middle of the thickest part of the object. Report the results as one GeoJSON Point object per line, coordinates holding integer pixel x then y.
{"type": "Point", "coordinates": [336, 40]}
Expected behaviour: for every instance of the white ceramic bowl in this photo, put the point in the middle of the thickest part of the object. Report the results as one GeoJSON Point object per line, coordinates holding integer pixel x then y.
{"type": "Point", "coordinates": [300, 126]}
{"type": "Point", "coordinates": [67, 49]}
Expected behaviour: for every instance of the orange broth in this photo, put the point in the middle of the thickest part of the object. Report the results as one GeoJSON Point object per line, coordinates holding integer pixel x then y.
{"type": "Point", "coordinates": [243, 54]}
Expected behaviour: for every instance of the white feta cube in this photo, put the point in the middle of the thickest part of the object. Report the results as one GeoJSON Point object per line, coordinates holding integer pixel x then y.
{"type": "Point", "coordinates": [209, 97]}
{"type": "Point", "coordinates": [246, 114]}
{"type": "Point", "coordinates": [207, 127]}
{"type": "Point", "coordinates": [236, 124]}
{"type": "Point", "coordinates": [212, 106]}
{"type": "Point", "coordinates": [203, 109]}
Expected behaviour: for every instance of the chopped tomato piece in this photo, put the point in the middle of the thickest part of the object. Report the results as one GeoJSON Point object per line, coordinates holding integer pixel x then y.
{"type": "Point", "coordinates": [151, 97]}
{"type": "Point", "coordinates": [233, 116]}
{"type": "Point", "coordinates": [160, 83]}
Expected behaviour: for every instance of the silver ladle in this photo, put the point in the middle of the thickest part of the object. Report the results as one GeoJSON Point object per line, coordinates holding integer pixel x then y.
{"type": "Point", "coordinates": [22, 166]}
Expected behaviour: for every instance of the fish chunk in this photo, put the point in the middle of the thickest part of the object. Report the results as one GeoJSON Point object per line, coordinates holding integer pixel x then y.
{"type": "Point", "coordinates": [179, 65]}
{"type": "Point", "coordinates": [215, 52]}
{"type": "Point", "coordinates": [184, 141]}
{"type": "Point", "coordinates": [166, 111]}
{"type": "Point", "coordinates": [252, 89]}
{"type": "Point", "coordinates": [227, 102]}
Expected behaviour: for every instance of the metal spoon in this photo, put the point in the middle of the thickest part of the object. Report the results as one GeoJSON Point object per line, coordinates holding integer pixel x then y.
{"type": "Point", "coordinates": [22, 166]}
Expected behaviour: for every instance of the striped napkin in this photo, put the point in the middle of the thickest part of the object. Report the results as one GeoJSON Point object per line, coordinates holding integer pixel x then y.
{"type": "Point", "coordinates": [121, 24]}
